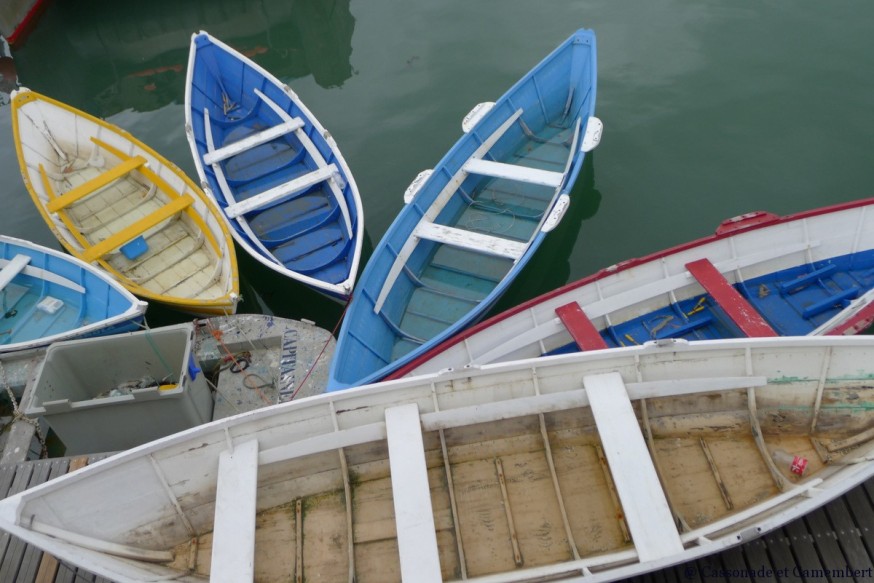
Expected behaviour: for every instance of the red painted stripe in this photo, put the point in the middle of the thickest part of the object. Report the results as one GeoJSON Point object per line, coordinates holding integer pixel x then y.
{"type": "Point", "coordinates": [738, 309]}
{"type": "Point", "coordinates": [581, 328]}
{"type": "Point", "coordinates": [17, 37]}
{"type": "Point", "coordinates": [860, 321]}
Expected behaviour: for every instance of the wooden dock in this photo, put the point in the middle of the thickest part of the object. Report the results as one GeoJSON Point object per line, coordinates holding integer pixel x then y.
{"type": "Point", "coordinates": [834, 543]}
{"type": "Point", "coordinates": [21, 562]}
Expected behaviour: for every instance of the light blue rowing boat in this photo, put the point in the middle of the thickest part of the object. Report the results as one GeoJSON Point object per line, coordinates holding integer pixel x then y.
{"type": "Point", "coordinates": [274, 171]}
{"type": "Point", "coordinates": [472, 223]}
{"type": "Point", "coordinates": [48, 296]}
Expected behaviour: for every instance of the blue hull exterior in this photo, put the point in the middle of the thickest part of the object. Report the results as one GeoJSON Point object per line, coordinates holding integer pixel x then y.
{"type": "Point", "coordinates": [475, 222]}
{"type": "Point", "coordinates": [272, 169]}
{"type": "Point", "coordinates": [57, 297]}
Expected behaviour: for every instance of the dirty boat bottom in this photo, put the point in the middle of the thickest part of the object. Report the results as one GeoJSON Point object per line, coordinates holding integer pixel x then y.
{"type": "Point", "coordinates": [520, 500]}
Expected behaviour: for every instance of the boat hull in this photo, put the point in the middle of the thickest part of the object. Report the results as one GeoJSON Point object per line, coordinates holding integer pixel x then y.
{"type": "Point", "coordinates": [275, 173]}
{"type": "Point", "coordinates": [52, 297]}
{"type": "Point", "coordinates": [612, 463]}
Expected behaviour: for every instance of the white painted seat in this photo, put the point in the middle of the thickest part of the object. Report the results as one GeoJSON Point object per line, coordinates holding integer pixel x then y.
{"type": "Point", "coordinates": [414, 516]}
{"type": "Point", "coordinates": [643, 500]}
{"type": "Point", "coordinates": [15, 266]}
{"type": "Point", "coordinates": [250, 141]}
{"type": "Point", "coordinates": [309, 146]}
{"type": "Point", "coordinates": [233, 540]}
{"type": "Point", "coordinates": [470, 240]}
{"type": "Point", "coordinates": [277, 193]}
{"type": "Point", "coordinates": [443, 197]}
{"type": "Point", "coordinates": [514, 172]}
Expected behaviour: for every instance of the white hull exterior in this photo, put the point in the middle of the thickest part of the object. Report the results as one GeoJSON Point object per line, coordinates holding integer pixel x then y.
{"type": "Point", "coordinates": [584, 467]}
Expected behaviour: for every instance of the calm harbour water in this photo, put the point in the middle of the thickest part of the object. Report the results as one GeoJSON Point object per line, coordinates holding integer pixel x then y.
{"type": "Point", "coordinates": [711, 109]}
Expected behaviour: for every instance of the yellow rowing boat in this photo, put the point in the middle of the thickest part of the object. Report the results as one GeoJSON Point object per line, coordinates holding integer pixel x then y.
{"type": "Point", "coordinates": [113, 201]}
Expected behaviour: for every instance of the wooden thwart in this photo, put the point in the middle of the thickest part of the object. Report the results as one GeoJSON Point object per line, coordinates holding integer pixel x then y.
{"type": "Point", "coordinates": [732, 303]}
{"type": "Point", "coordinates": [83, 190]}
{"type": "Point", "coordinates": [513, 172]}
{"type": "Point", "coordinates": [15, 266]}
{"type": "Point", "coordinates": [580, 327]}
{"type": "Point", "coordinates": [277, 193]}
{"type": "Point", "coordinates": [250, 141]}
{"type": "Point", "coordinates": [644, 503]}
{"type": "Point", "coordinates": [136, 229]}
{"type": "Point", "coordinates": [414, 517]}
{"type": "Point", "coordinates": [233, 542]}
{"type": "Point", "coordinates": [470, 240]}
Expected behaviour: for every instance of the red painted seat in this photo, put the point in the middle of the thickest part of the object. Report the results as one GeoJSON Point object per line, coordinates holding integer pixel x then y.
{"type": "Point", "coordinates": [741, 312]}
{"type": "Point", "coordinates": [580, 327]}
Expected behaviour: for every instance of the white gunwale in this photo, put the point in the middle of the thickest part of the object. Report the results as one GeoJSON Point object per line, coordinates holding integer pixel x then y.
{"type": "Point", "coordinates": [606, 305]}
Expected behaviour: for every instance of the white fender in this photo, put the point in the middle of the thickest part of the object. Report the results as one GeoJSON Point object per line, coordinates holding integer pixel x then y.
{"type": "Point", "coordinates": [416, 185]}
{"type": "Point", "coordinates": [474, 115]}
{"type": "Point", "coordinates": [556, 213]}
{"type": "Point", "coordinates": [592, 137]}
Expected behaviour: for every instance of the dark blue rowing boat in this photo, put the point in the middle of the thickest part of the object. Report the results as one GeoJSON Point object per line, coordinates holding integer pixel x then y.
{"type": "Point", "coordinates": [273, 170]}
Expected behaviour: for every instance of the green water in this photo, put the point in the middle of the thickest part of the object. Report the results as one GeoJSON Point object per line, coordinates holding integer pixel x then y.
{"type": "Point", "coordinates": [711, 109]}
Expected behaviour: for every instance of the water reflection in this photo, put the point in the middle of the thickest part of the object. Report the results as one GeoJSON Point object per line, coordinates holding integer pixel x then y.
{"type": "Point", "coordinates": [8, 74]}
{"type": "Point", "coordinates": [134, 55]}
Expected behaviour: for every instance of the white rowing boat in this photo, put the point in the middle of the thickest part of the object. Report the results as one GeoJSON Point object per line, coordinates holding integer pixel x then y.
{"type": "Point", "coordinates": [591, 466]}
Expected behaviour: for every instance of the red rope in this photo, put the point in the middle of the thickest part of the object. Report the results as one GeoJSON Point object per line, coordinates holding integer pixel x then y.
{"type": "Point", "coordinates": [333, 332]}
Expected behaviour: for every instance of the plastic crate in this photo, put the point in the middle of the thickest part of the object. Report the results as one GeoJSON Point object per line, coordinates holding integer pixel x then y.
{"type": "Point", "coordinates": [112, 393]}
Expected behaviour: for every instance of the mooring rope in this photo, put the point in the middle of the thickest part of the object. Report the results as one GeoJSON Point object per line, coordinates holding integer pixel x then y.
{"type": "Point", "coordinates": [18, 414]}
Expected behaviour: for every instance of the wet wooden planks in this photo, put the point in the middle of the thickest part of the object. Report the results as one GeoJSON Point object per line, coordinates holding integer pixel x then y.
{"type": "Point", "coordinates": [24, 563]}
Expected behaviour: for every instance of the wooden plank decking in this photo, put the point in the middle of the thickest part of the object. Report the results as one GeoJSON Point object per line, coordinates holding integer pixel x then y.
{"type": "Point", "coordinates": [24, 563]}
{"type": "Point", "coordinates": [821, 546]}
